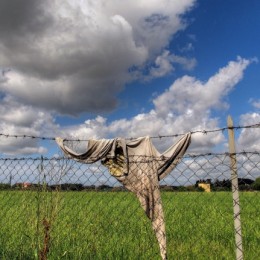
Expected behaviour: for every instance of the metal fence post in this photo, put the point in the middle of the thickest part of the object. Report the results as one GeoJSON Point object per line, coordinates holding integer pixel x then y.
{"type": "Point", "coordinates": [235, 193]}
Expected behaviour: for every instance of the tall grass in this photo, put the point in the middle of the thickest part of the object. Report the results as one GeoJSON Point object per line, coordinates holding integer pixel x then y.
{"type": "Point", "coordinates": [112, 225]}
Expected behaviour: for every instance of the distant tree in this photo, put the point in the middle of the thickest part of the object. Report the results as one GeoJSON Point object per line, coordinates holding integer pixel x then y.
{"type": "Point", "coordinates": [245, 181]}
{"type": "Point", "coordinates": [5, 186]}
{"type": "Point", "coordinates": [256, 184]}
{"type": "Point", "coordinates": [103, 187]}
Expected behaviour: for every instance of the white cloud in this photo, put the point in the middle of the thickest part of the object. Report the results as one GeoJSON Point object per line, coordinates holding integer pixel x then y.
{"type": "Point", "coordinates": [193, 96]}
{"type": "Point", "coordinates": [164, 64]}
{"type": "Point", "coordinates": [187, 64]}
{"type": "Point", "coordinates": [249, 138]}
{"type": "Point", "coordinates": [185, 106]}
{"type": "Point", "coordinates": [255, 103]}
{"type": "Point", "coordinates": [74, 56]}
{"type": "Point", "coordinates": [19, 119]}
{"type": "Point", "coordinates": [69, 57]}
{"type": "Point", "coordinates": [188, 47]}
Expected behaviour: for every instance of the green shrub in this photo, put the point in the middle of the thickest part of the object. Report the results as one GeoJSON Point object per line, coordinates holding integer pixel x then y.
{"type": "Point", "coordinates": [256, 184]}
{"type": "Point", "coordinates": [5, 186]}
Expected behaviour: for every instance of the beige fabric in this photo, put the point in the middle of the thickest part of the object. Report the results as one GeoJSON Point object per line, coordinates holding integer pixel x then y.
{"type": "Point", "coordinates": [139, 167]}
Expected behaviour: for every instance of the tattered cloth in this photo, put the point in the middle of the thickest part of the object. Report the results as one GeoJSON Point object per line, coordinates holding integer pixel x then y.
{"type": "Point", "coordinates": [138, 165]}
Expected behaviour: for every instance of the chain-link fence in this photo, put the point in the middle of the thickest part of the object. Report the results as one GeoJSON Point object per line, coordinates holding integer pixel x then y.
{"type": "Point", "coordinates": [58, 208]}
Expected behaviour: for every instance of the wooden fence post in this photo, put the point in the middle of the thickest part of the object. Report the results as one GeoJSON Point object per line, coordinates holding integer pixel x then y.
{"type": "Point", "coordinates": [235, 193]}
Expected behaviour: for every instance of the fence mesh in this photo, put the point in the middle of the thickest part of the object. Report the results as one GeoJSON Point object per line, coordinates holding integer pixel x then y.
{"type": "Point", "coordinates": [59, 208]}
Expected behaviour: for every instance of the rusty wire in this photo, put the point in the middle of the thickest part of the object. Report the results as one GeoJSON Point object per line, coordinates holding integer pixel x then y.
{"type": "Point", "coordinates": [48, 138]}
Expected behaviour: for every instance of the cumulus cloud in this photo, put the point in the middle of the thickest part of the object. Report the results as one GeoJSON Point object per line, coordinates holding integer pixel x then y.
{"type": "Point", "coordinates": [186, 106]}
{"type": "Point", "coordinates": [255, 103]}
{"type": "Point", "coordinates": [249, 139]}
{"type": "Point", "coordinates": [192, 96]}
{"type": "Point", "coordinates": [74, 56]}
{"type": "Point", "coordinates": [70, 57]}
{"type": "Point", "coordinates": [164, 64]}
{"type": "Point", "coordinates": [18, 119]}
{"type": "Point", "coordinates": [18, 18]}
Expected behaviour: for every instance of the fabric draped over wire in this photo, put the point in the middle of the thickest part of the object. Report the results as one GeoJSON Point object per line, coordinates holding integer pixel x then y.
{"type": "Point", "coordinates": [138, 165]}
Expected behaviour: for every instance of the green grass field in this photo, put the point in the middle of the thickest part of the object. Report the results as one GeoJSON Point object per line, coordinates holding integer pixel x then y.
{"type": "Point", "coordinates": [112, 225]}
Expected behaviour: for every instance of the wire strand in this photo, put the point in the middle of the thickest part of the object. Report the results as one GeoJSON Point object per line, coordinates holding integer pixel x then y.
{"type": "Point", "coordinates": [129, 138]}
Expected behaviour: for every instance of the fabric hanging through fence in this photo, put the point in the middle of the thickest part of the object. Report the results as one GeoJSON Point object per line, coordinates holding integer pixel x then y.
{"type": "Point", "coordinates": [139, 166]}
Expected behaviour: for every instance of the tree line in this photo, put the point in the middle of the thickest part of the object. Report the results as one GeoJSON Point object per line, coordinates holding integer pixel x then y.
{"type": "Point", "coordinates": [217, 185]}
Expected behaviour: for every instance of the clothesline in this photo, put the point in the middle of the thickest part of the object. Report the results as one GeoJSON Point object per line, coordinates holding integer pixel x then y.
{"type": "Point", "coordinates": [129, 138]}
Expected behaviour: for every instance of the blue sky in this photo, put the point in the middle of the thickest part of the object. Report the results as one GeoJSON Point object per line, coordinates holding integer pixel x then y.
{"type": "Point", "coordinates": [222, 30]}
{"type": "Point", "coordinates": [103, 69]}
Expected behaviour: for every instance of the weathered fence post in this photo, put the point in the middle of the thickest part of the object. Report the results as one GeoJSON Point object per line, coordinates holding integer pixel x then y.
{"type": "Point", "coordinates": [235, 193]}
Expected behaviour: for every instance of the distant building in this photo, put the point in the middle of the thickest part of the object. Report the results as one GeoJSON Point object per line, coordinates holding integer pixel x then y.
{"type": "Point", "coordinates": [205, 186]}
{"type": "Point", "coordinates": [26, 185]}
{"type": "Point", "coordinates": [23, 185]}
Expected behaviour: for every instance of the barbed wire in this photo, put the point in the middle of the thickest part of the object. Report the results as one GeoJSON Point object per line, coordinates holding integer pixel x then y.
{"type": "Point", "coordinates": [28, 136]}
{"type": "Point", "coordinates": [211, 131]}
{"type": "Point", "coordinates": [130, 138]}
